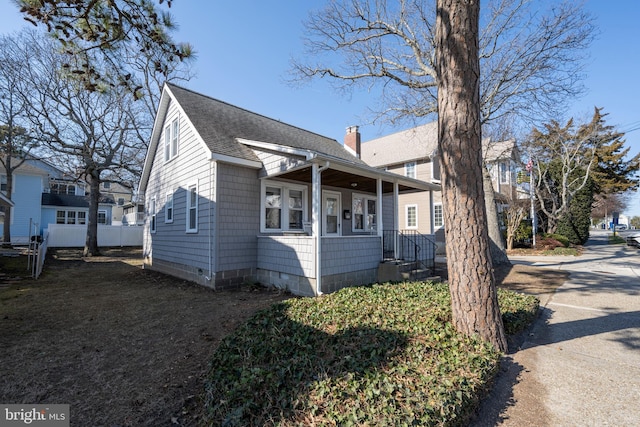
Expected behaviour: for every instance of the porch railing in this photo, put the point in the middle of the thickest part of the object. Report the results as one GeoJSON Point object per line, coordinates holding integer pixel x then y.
{"type": "Point", "coordinates": [410, 246]}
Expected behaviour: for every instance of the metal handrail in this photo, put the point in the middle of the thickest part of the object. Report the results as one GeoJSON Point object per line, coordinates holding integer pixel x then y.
{"type": "Point", "coordinates": [409, 245]}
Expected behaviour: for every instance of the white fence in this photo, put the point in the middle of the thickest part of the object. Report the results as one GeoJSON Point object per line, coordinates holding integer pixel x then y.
{"type": "Point", "coordinates": [36, 254]}
{"type": "Point", "coordinates": [74, 236]}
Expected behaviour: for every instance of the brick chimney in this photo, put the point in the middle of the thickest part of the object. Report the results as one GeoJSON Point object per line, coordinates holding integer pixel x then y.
{"type": "Point", "coordinates": [352, 141]}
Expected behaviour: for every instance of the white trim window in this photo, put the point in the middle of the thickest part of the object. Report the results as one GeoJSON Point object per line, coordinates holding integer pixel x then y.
{"type": "Point", "coordinates": [71, 217]}
{"type": "Point", "coordinates": [283, 207]}
{"type": "Point", "coordinates": [504, 172]}
{"type": "Point", "coordinates": [168, 209]}
{"type": "Point", "coordinates": [171, 139]}
{"type": "Point", "coordinates": [152, 215]}
{"type": "Point", "coordinates": [192, 208]}
{"type": "Point", "coordinates": [438, 216]}
{"type": "Point", "coordinates": [410, 169]}
{"type": "Point", "coordinates": [411, 216]}
{"type": "Point", "coordinates": [435, 169]}
{"type": "Point", "coordinates": [364, 217]}
{"type": "Point", "coordinates": [102, 217]}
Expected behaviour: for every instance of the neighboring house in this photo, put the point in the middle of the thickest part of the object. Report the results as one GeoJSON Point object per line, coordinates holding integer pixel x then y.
{"type": "Point", "coordinates": [413, 153]}
{"type": "Point", "coordinates": [232, 196]}
{"type": "Point", "coordinates": [42, 195]}
{"type": "Point", "coordinates": [133, 213]}
{"type": "Point", "coordinates": [502, 158]}
{"type": "Point", "coordinates": [121, 196]}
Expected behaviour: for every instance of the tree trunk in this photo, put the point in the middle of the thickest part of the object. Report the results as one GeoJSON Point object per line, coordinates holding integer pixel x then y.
{"type": "Point", "coordinates": [91, 242]}
{"type": "Point", "coordinates": [496, 241]}
{"type": "Point", "coordinates": [472, 285]}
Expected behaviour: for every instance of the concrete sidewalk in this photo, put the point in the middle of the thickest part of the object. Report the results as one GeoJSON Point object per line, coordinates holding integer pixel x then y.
{"type": "Point", "coordinates": [580, 366]}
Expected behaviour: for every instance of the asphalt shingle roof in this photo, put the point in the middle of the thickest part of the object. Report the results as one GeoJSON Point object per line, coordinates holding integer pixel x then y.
{"type": "Point", "coordinates": [400, 147]}
{"type": "Point", "coordinates": [220, 123]}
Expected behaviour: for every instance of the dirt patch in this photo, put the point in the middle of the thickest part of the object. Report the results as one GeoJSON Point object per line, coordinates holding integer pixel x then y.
{"type": "Point", "coordinates": [126, 346]}
{"type": "Point", "coordinates": [122, 345]}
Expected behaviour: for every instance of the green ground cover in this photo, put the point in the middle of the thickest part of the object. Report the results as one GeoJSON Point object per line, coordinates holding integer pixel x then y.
{"type": "Point", "coordinates": [377, 355]}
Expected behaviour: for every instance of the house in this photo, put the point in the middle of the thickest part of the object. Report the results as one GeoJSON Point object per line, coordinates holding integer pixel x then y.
{"type": "Point", "coordinates": [41, 195]}
{"type": "Point", "coordinates": [413, 153]}
{"type": "Point", "coordinates": [502, 158]}
{"type": "Point", "coordinates": [121, 197]}
{"type": "Point", "coordinates": [233, 196]}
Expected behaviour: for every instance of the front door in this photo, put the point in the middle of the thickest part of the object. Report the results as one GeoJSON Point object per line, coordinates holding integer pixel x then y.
{"type": "Point", "coordinates": [331, 208]}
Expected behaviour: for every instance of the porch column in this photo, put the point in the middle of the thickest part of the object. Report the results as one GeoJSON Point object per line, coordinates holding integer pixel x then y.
{"type": "Point", "coordinates": [431, 225]}
{"type": "Point", "coordinates": [396, 222]}
{"type": "Point", "coordinates": [379, 207]}
{"type": "Point", "coordinates": [316, 211]}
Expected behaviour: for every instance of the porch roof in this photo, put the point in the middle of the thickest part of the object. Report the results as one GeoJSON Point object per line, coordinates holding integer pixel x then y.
{"type": "Point", "coordinates": [362, 178]}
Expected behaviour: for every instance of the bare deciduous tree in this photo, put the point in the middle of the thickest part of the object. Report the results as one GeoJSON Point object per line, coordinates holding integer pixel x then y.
{"type": "Point", "coordinates": [531, 59]}
{"type": "Point", "coordinates": [605, 204]}
{"type": "Point", "coordinates": [566, 158]}
{"type": "Point", "coordinates": [15, 141]}
{"type": "Point", "coordinates": [515, 213]}
{"type": "Point", "coordinates": [531, 56]}
{"type": "Point", "coordinates": [91, 133]}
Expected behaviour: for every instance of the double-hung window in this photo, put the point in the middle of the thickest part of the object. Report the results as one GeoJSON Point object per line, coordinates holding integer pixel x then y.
{"type": "Point", "coordinates": [283, 207]}
{"type": "Point", "coordinates": [171, 139]}
{"type": "Point", "coordinates": [192, 208]}
{"type": "Point", "coordinates": [438, 217]}
{"type": "Point", "coordinates": [364, 216]}
{"type": "Point", "coordinates": [410, 170]}
{"type": "Point", "coordinates": [504, 173]}
{"type": "Point", "coordinates": [411, 216]}
{"type": "Point", "coordinates": [152, 215]}
{"type": "Point", "coordinates": [168, 208]}
{"type": "Point", "coordinates": [102, 217]}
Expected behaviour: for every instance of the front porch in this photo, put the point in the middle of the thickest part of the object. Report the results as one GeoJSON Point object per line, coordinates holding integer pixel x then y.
{"type": "Point", "coordinates": [290, 262]}
{"type": "Point", "coordinates": [327, 224]}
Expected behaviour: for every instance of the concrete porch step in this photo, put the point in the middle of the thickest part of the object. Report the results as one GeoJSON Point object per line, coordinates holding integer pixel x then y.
{"type": "Point", "coordinates": [400, 270]}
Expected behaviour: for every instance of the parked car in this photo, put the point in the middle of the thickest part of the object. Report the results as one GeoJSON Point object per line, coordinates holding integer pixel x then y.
{"type": "Point", "coordinates": [621, 227]}
{"type": "Point", "coordinates": [634, 240]}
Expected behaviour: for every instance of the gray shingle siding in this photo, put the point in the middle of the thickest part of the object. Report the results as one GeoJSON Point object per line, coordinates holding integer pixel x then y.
{"type": "Point", "coordinates": [274, 163]}
{"type": "Point", "coordinates": [238, 217]}
{"type": "Point", "coordinates": [364, 253]}
{"type": "Point", "coordinates": [171, 242]}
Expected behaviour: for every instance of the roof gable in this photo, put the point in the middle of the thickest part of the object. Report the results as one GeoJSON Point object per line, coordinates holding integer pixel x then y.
{"type": "Point", "coordinates": [221, 125]}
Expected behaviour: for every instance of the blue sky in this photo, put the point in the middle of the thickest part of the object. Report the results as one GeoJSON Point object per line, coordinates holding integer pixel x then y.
{"type": "Point", "coordinates": [244, 48]}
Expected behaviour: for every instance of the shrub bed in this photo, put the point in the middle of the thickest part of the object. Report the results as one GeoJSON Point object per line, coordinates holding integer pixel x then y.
{"type": "Point", "coordinates": [377, 355]}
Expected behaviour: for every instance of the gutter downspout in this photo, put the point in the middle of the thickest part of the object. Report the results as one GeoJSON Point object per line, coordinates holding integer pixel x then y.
{"type": "Point", "coordinates": [212, 193]}
{"type": "Point", "coordinates": [316, 189]}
